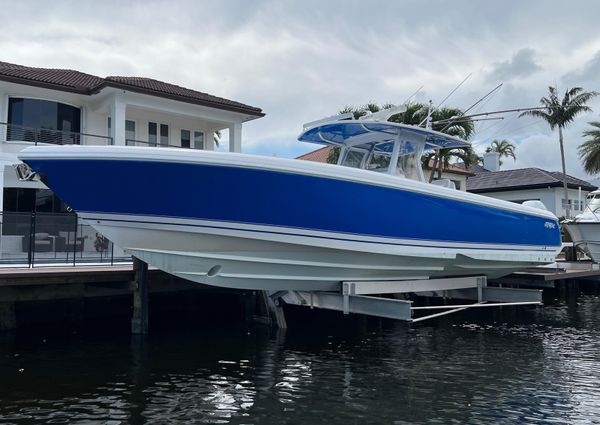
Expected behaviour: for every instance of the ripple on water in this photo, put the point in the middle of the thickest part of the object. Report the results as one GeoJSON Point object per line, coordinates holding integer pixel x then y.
{"type": "Point", "coordinates": [532, 366]}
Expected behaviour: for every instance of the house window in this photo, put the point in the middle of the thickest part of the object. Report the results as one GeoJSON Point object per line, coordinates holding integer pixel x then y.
{"type": "Point", "coordinates": [185, 138]}
{"type": "Point", "coordinates": [198, 140]}
{"type": "Point", "coordinates": [164, 135]}
{"type": "Point", "coordinates": [576, 205]}
{"type": "Point", "coordinates": [129, 132]}
{"type": "Point", "coordinates": [152, 133]}
{"type": "Point", "coordinates": [44, 121]}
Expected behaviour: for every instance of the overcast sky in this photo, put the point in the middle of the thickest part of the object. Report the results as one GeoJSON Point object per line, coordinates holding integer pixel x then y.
{"type": "Point", "coordinates": [303, 60]}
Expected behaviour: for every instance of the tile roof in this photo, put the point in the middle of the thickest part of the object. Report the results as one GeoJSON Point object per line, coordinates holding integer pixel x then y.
{"type": "Point", "coordinates": [521, 179]}
{"type": "Point", "coordinates": [69, 79]}
{"type": "Point", "coordinates": [79, 82]}
{"type": "Point", "coordinates": [150, 86]}
{"type": "Point", "coordinates": [320, 155]}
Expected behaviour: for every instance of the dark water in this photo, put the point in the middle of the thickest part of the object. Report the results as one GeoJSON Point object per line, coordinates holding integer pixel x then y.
{"type": "Point", "coordinates": [511, 366]}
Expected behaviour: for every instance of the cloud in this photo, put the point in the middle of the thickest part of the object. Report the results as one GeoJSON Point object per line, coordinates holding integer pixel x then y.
{"type": "Point", "coordinates": [301, 61]}
{"type": "Point", "coordinates": [521, 65]}
{"type": "Point", "coordinates": [542, 151]}
{"type": "Point", "coordinates": [589, 72]}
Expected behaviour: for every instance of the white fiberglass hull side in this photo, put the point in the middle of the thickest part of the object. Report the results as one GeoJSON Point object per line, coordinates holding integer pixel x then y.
{"type": "Point", "coordinates": [586, 235]}
{"type": "Point", "coordinates": [249, 259]}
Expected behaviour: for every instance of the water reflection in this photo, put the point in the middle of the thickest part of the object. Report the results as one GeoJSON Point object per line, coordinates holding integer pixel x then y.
{"type": "Point", "coordinates": [510, 366]}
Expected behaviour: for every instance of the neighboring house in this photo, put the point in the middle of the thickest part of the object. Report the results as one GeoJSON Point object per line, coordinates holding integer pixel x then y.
{"type": "Point", "coordinates": [62, 106]}
{"type": "Point", "coordinates": [456, 174]}
{"type": "Point", "coordinates": [527, 184]}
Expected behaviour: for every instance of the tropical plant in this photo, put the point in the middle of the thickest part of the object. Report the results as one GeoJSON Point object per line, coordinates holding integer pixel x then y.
{"type": "Point", "coordinates": [589, 151]}
{"type": "Point", "coordinates": [357, 112]}
{"type": "Point", "coordinates": [558, 113]}
{"type": "Point", "coordinates": [503, 147]}
{"type": "Point", "coordinates": [445, 120]}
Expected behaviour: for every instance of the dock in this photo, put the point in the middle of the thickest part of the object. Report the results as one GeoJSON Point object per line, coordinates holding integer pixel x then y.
{"type": "Point", "coordinates": [91, 283]}
{"type": "Point", "coordinates": [561, 272]}
{"type": "Point", "coordinates": [74, 289]}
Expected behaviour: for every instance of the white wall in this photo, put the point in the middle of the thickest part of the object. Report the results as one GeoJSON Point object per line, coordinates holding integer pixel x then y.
{"type": "Point", "coordinates": [461, 178]}
{"type": "Point", "coordinates": [140, 108]}
{"type": "Point", "coordinates": [551, 197]}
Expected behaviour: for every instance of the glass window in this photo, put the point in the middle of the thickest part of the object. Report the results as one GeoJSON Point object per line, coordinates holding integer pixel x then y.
{"type": "Point", "coordinates": [198, 140]}
{"type": "Point", "coordinates": [353, 158]}
{"type": "Point", "coordinates": [164, 135]}
{"type": "Point", "coordinates": [185, 138]}
{"type": "Point", "coordinates": [43, 121]}
{"type": "Point", "coordinates": [379, 162]}
{"type": "Point", "coordinates": [409, 161]}
{"type": "Point", "coordinates": [129, 132]}
{"type": "Point", "coordinates": [152, 133]}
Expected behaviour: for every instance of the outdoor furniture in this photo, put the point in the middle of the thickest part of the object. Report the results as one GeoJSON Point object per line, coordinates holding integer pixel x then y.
{"type": "Point", "coordinates": [66, 241]}
{"type": "Point", "coordinates": [42, 242]}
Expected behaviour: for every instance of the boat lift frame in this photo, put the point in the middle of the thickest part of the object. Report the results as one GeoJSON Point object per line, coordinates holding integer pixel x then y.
{"type": "Point", "coordinates": [358, 297]}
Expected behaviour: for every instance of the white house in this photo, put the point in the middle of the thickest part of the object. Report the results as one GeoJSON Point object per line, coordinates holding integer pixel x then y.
{"type": "Point", "coordinates": [62, 106]}
{"type": "Point", "coordinates": [39, 105]}
{"type": "Point", "coordinates": [526, 184]}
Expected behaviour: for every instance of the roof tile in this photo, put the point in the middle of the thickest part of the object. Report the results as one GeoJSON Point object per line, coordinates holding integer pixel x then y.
{"type": "Point", "coordinates": [79, 82]}
{"type": "Point", "coordinates": [520, 179]}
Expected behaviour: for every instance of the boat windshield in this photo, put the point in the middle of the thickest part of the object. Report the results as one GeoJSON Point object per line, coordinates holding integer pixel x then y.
{"type": "Point", "coordinates": [409, 160]}
{"type": "Point", "coordinates": [379, 156]}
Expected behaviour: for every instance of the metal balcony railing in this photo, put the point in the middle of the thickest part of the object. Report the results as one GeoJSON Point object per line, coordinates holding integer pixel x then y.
{"type": "Point", "coordinates": [13, 132]}
{"type": "Point", "coordinates": [133, 142]}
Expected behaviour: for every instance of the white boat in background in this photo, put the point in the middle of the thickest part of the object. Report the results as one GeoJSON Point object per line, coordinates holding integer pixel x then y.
{"type": "Point", "coordinates": [280, 224]}
{"type": "Point", "coordinates": [584, 229]}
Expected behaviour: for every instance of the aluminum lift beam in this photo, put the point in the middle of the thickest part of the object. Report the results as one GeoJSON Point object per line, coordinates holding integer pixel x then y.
{"type": "Point", "coordinates": [354, 297]}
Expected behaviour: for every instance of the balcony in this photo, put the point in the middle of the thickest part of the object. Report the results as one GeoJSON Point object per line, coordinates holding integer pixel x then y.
{"type": "Point", "coordinates": [18, 133]}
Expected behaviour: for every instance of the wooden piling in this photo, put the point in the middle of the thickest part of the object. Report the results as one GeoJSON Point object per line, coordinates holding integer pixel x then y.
{"type": "Point", "coordinates": [139, 321]}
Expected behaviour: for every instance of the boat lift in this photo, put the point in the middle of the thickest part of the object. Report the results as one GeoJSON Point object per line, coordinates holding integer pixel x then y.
{"type": "Point", "coordinates": [366, 298]}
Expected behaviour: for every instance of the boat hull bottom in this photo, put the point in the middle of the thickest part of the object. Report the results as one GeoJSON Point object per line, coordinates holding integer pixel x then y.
{"type": "Point", "coordinates": [242, 260]}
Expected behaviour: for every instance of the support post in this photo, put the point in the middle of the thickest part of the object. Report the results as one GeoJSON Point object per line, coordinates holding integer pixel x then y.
{"type": "Point", "coordinates": [139, 321]}
{"type": "Point", "coordinates": [117, 121]}
{"type": "Point", "coordinates": [275, 310]}
{"type": "Point", "coordinates": [235, 137]}
{"type": "Point", "coordinates": [8, 317]}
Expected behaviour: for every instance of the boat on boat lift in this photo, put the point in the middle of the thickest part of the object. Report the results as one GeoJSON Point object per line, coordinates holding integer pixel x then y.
{"type": "Point", "coordinates": [584, 229]}
{"type": "Point", "coordinates": [256, 222]}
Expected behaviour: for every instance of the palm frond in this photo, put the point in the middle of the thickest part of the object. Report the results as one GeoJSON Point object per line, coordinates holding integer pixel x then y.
{"type": "Point", "coordinates": [589, 151]}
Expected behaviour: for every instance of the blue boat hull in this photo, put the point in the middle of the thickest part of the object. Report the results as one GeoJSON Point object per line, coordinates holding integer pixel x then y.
{"type": "Point", "coordinates": [210, 210]}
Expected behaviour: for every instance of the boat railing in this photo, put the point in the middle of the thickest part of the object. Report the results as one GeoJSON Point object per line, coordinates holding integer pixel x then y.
{"type": "Point", "coordinates": [35, 135]}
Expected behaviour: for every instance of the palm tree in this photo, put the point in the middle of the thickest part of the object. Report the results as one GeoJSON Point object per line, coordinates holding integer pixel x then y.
{"type": "Point", "coordinates": [589, 151]}
{"type": "Point", "coordinates": [502, 147]}
{"type": "Point", "coordinates": [560, 112]}
{"type": "Point", "coordinates": [357, 112]}
{"type": "Point", "coordinates": [443, 120]}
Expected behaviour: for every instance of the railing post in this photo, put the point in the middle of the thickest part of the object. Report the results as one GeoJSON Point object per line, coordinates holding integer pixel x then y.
{"type": "Point", "coordinates": [31, 251]}
{"type": "Point", "coordinates": [75, 240]}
